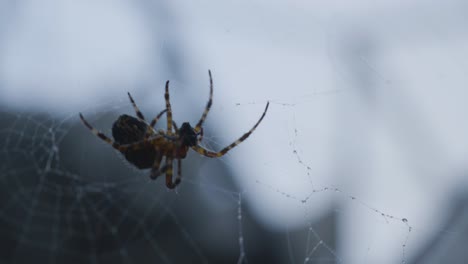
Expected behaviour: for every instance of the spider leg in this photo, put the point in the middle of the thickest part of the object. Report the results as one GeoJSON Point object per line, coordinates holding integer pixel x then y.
{"type": "Point", "coordinates": [137, 111]}
{"type": "Point", "coordinates": [153, 123]}
{"type": "Point", "coordinates": [176, 128]}
{"type": "Point", "coordinates": [155, 172]}
{"type": "Point", "coordinates": [169, 172]}
{"type": "Point", "coordinates": [169, 110]}
{"type": "Point", "coordinates": [122, 148]}
{"type": "Point", "coordinates": [201, 136]}
{"type": "Point", "coordinates": [211, 154]}
{"type": "Point", "coordinates": [100, 134]}
{"type": "Point", "coordinates": [161, 133]}
{"type": "Point", "coordinates": [207, 108]}
{"type": "Point", "coordinates": [155, 120]}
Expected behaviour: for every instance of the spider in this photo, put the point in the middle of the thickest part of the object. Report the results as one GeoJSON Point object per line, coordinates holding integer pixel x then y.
{"type": "Point", "coordinates": [145, 147]}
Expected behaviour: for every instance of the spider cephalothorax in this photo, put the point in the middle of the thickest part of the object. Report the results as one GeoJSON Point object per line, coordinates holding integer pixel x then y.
{"type": "Point", "coordinates": [187, 135]}
{"type": "Point", "coordinates": [145, 147]}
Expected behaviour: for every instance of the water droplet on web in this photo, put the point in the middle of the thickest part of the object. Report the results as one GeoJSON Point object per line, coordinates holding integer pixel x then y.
{"type": "Point", "coordinates": [404, 220]}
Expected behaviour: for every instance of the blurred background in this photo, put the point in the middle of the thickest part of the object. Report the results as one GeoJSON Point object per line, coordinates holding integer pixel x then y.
{"type": "Point", "coordinates": [361, 157]}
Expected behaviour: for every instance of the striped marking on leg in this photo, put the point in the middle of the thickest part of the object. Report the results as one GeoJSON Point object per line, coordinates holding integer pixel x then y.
{"type": "Point", "coordinates": [99, 134]}
{"type": "Point", "coordinates": [153, 123]}
{"type": "Point", "coordinates": [137, 111]}
{"type": "Point", "coordinates": [156, 119]}
{"type": "Point", "coordinates": [176, 128]}
{"type": "Point", "coordinates": [207, 107]}
{"type": "Point", "coordinates": [169, 109]}
{"type": "Point", "coordinates": [200, 138]}
{"type": "Point", "coordinates": [212, 154]}
{"type": "Point", "coordinates": [169, 172]}
{"type": "Point", "coordinates": [155, 172]}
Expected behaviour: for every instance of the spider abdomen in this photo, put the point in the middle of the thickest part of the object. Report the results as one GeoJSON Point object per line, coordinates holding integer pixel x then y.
{"type": "Point", "coordinates": [127, 130]}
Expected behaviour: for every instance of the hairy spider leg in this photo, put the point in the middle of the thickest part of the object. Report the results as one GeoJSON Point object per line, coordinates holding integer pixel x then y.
{"type": "Point", "coordinates": [156, 119]}
{"type": "Point", "coordinates": [200, 135]}
{"type": "Point", "coordinates": [176, 128]}
{"type": "Point", "coordinates": [169, 172]}
{"type": "Point", "coordinates": [169, 110]}
{"type": "Point", "coordinates": [99, 134]}
{"type": "Point", "coordinates": [198, 127]}
{"type": "Point", "coordinates": [137, 111]}
{"type": "Point", "coordinates": [150, 128]}
{"type": "Point", "coordinates": [155, 172]}
{"type": "Point", "coordinates": [133, 146]}
{"type": "Point", "coordinates": [140, 116]}
{"type": "Point", "coordinates": [212, 154]}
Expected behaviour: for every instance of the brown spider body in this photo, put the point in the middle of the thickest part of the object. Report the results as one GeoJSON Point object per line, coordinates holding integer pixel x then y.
{"type": "Point", "coordinates": [129, 130]}
{"type": "Point", "coordinates": [145, 147]}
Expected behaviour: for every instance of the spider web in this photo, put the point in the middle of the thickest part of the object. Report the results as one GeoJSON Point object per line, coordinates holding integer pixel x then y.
{"type": "Point", "coordinates": [67, 197]}
{"type": "Point", "coordinates": [61, 213]}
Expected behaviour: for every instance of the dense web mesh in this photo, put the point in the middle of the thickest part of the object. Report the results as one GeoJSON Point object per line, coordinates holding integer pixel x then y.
{"type": "Point", "coordinates": [66, 201]}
